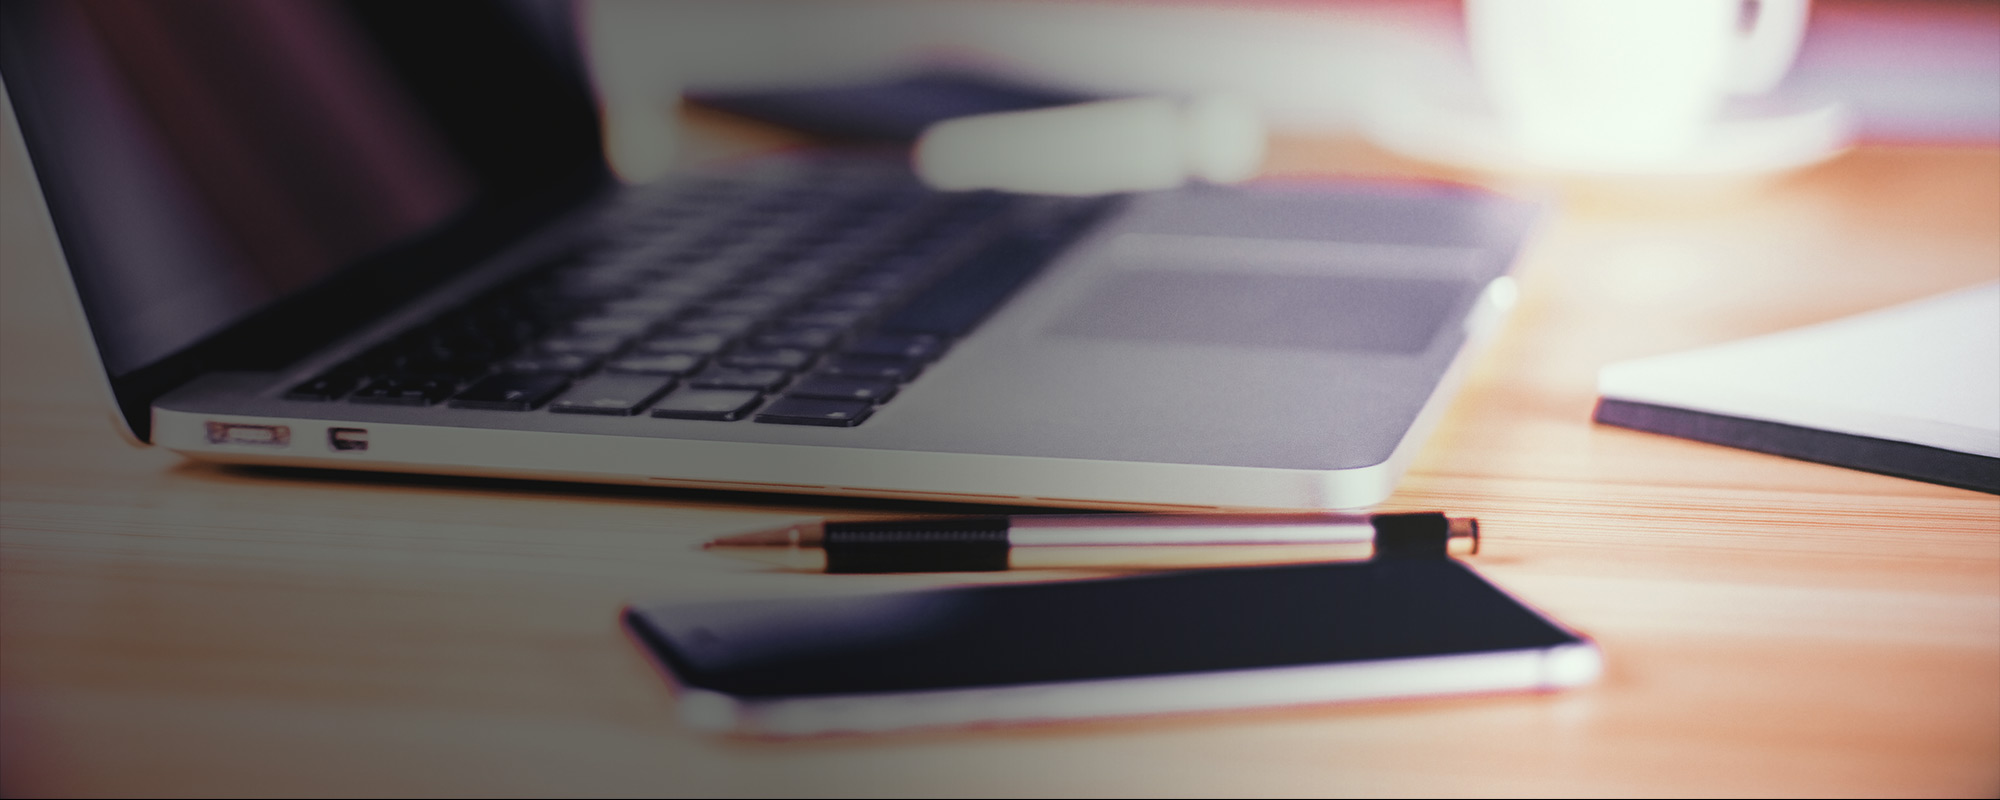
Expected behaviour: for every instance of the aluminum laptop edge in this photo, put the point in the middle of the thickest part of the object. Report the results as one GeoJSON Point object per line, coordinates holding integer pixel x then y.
{"type": "Point", "coordinates": [1283, 344]}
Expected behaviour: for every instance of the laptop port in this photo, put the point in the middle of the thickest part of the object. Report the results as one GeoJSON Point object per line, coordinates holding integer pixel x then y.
{"type": "Point", "coordinates": [347, 439]}
{"type": "Point", "coordinates": [239, 433]}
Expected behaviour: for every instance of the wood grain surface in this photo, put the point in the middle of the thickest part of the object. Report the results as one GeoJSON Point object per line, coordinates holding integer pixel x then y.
{"type": "Point", "coordinates": [1772, 627]}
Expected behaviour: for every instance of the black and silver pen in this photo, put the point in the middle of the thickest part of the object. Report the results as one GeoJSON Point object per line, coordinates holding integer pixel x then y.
{"type": "Point", "coordinates": [1107, 541]}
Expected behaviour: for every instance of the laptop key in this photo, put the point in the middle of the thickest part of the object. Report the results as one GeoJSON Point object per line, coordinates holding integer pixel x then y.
{"type": "Point", "coordinates": [657, 364]}
{"type": "Point", "coordinates": [800, 339]}
{"type": "Point", "coordinates": [725, 324]}
{"type": "Point", "coordinates": [393, 358]}
{"type": "Point", "coordinates": [710, 404]}
{"type": "Point", "coordinates": [647, 306]}
{"type": "Point", "coordinates": [331, 386]}
{"type": "Point", "coordinates": [459, 369]}
{"type": "Point", "coordinates": [861, 300]}
{"type": "Point", "coordinates": [827, 387]}
{"type": "Point", "coordinates": [761, 380]}
{"type": "Point", "coordinates": [511, 391]}
{"type": "Point", "coordinates": [700, 344]}
{"type": "Point", "coordinates": [404, 391]}
{"type": "Point", "coordinates": [878, 369]}
{"type": "Point", "coordinates": [612, 325]}
{"type": "Point", "coordinates": [823, 318]}
{"type": "Point", "coordinates": [562, 363]}
{"type": "Point", "coordinates": [750, 304]}
{"type": "Point", "coordinates": [806, 411]}
{"type": "Point", "coordinates": [678, 292]}
{"type": "Point", "coordinates": [585, 345]}
{"type": "Point", "coordinates": [782, 358]}
{"type": "Point", "coordinates": [914, 347]}
{"type": "Point", "coordinates": [614, 395]}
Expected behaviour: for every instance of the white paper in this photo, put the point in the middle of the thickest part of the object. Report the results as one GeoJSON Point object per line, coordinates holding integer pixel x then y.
{"type": "Point", "coordinates": [1926, 372]}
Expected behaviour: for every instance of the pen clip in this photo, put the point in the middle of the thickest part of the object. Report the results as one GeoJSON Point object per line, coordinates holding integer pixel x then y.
{"type": "Point", "coordinates": [977, 544]}
{"type": "Point", "coordinates": [1424, 535]}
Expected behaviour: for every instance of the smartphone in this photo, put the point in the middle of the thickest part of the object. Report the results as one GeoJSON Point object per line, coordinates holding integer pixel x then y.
{"type": "Point", "coordinates": [1159, 643]}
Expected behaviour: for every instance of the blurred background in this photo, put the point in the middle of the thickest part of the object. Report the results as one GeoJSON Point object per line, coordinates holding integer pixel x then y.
{"type": "Point", "coordinates": [1903, 72]}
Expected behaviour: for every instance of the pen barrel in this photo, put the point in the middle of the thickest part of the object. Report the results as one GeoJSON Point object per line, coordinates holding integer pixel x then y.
{"type": "Point", "coordinates": [977, 544]}
{"type": "Point", "coordinates": [986, 544]}
{"type": "Point", "coordinates": [1149, 558]}
{"type": "Point", "coordinates": [1190, 529]}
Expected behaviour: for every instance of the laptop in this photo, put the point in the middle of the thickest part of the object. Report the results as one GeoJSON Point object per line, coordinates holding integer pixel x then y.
{"type": "Point", "coordinates": [382, 236]}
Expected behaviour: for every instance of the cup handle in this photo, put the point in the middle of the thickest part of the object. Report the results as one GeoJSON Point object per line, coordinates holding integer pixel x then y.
{"type": "Point", "coordinates": [1768, 45]}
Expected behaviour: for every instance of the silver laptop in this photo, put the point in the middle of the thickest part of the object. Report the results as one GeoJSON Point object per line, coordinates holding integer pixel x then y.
{"type": "Point", "coordinates": [306, 234]}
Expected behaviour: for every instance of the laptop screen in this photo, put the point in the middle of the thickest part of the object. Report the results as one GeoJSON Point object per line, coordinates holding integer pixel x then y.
{"type": "Point", "coordinates": [205, 160]}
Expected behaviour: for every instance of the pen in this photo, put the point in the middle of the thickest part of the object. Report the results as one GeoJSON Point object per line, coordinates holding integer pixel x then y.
{"type": "Point", "coordinates": [1110, 541]}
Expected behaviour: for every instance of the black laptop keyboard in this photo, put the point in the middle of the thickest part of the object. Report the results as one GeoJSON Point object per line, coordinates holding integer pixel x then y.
{"type": "Point", "coordinates": [808, 300]}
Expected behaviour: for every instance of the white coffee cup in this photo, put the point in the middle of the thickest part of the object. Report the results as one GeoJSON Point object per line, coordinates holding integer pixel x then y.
{"type": "Point", "coordinates": [1623, 84]}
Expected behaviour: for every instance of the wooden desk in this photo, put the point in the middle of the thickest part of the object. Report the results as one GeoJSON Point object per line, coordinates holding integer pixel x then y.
{"type": "Point", "coordinates": [1772, 626]}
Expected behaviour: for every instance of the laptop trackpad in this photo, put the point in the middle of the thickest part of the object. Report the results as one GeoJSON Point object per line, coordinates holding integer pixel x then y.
{"type": "Point", "coordinates": [1307, 312]}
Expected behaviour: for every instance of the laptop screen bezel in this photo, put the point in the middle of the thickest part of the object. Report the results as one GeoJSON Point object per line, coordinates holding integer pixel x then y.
{"type": "Point", "coordinates": [538, 184]}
